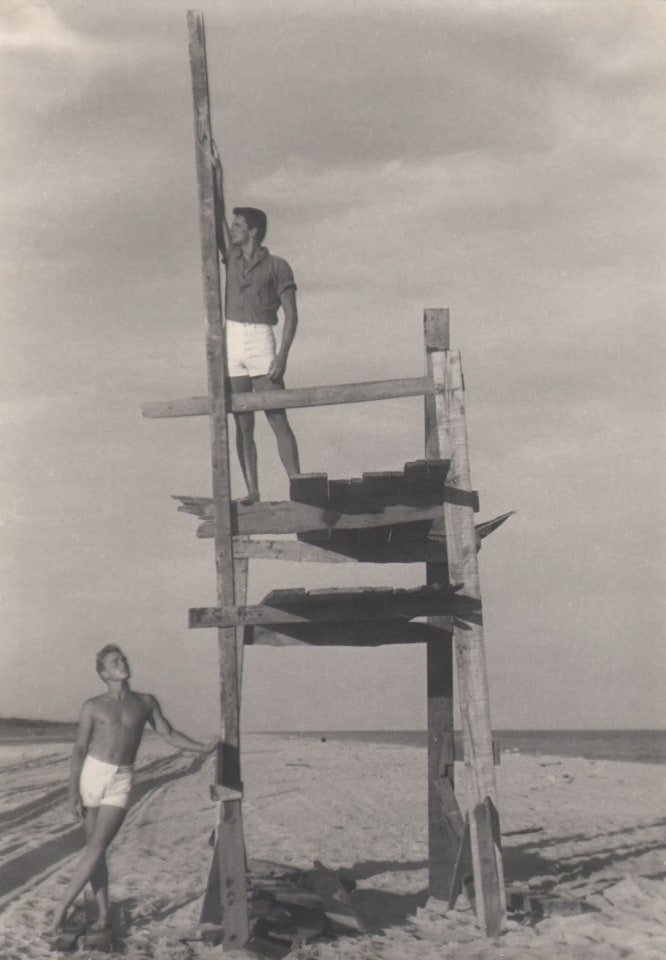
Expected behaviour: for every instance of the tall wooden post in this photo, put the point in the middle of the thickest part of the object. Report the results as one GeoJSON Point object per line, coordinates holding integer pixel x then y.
{"type": "Point", "coordinates": [461, 543]}
{"type": "Point", "coordinates": [445, 824]}
{"type": "Point", "coordinates": [229, 858]}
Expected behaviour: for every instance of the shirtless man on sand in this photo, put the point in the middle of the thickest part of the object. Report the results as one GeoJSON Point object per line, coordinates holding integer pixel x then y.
{"type": "Point", "coordinates": [110, 730]}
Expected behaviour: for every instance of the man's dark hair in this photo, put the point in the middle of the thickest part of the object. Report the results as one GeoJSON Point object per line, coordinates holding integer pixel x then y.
{"type": "Point", "coordinates": [254, 218]}
{"type": "Point", "coordinates": [103, 653]}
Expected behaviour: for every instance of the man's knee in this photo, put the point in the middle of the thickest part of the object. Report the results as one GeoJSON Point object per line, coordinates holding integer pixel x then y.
{"type": "Point", "coordinates": [278, 421]}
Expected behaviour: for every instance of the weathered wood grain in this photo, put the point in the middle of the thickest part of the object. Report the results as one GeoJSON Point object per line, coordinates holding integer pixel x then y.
{"type": "Point", "coordinates": [318, 396]}
{"type": "Point", "coordinates": [229, 858]}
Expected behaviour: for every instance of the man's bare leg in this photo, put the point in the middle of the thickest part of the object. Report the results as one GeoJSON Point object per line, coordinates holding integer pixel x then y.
{"type": "Point", "coordinates": [245, 445]}
{"type": "Point", "coordinates": [286, 440]}
{"type": "Point", "coordinates": [107, 824]}
{"type": "Point", "coordinates": [99, 879]}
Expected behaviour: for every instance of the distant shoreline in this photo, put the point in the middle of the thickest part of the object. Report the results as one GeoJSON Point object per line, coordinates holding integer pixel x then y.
{"type": "Point", "coordinates": [634, 746]}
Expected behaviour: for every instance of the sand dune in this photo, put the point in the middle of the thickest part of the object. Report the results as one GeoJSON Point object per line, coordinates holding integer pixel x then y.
{"type": "Point", "coordinates": [590, 834]}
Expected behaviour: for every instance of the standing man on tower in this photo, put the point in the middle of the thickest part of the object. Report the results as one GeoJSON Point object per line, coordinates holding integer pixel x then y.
{"type": "Point", "coordinates": [257, 285]}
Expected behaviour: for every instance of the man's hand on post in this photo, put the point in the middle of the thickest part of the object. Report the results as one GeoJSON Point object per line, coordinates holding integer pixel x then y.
{"type": "Point", "coordinates": [277, 368]}
{"type": "Point", "coordinates": [76, 806]}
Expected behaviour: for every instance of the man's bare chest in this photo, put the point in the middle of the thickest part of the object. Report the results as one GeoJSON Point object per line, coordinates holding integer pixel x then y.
{"type": "Point", "coordinates": [129, 712]}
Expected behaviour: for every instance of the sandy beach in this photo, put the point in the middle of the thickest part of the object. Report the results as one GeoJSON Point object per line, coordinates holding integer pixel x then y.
{"type": "Point", "coordinates": [590, 833]}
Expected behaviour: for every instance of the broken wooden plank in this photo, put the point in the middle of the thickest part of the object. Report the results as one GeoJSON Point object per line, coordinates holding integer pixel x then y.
{"type": "Point", "coordinates": [289, 517]}
{"type": "Point", "coordinates": [383, 486]}
{"type": "Point", "coordinates": [485, 823]}
{"type": "Point", "coordinates": [309, 488]}
{"type": "Point", "coordinates": [100, 940]}
{"type": "Point", "coordinates": [337, 903]}
{"type": "Point", "coordinates": [368, 633]}
{"type": "Point", "coordinates": [297, 607]}
{"type": "Point", "coordinates": [463, 870]}
{"type": "Point", "coordinates": [402, 543]}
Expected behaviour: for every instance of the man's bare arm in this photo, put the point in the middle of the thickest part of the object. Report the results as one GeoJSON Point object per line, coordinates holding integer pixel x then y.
{"type": "Point", "coordinates": [223, 235]}
{"type": "Point", "coordinates": [79, 752]}
{"type": "Point", "coordinates": [161, 726]}
{"type": "Point", "coordinates": [279, 364]}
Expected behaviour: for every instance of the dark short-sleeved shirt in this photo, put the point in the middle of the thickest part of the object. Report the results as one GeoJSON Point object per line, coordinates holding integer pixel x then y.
{"type": "Point", "coordinates": [253, 290]}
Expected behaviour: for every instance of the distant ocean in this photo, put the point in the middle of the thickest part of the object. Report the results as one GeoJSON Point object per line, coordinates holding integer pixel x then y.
{"type": "Point", "coordinates": [638, 746]}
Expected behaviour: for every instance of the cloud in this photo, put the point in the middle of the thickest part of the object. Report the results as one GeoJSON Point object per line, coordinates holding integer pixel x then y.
{"type": "Point", "coordinates": [32, 25]}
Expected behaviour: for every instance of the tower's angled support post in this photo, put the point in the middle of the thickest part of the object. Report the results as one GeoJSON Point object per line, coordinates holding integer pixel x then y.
{"type": "Point", "coordinates": [445, 823]}
{"type": "Point", "coordinates": [229, 856]}
{"type": "Point", "coordinates": [449, 410]}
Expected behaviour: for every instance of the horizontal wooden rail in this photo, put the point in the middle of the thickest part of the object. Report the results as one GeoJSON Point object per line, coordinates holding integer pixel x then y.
{"type": "Point", "coordinates": [431, 549]}
{"type": "Point", "coordinates": [321, 396]}
{"type": "Point", "coordinates": [350, 633]}
{"type": "Point", "coordinates": [295, 606]}
{"type": "Point", "coordinates": [289, 517]}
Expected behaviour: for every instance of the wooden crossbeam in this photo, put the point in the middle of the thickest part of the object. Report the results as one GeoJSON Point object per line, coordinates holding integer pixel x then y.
{"type": "Point", "coordinates": [301, 606]}
{"type": "Point", "coordinates": [430, 548]}
{"type": "Point", "coordinates": [277, 517]}
{"type": "Point", "coordinates": [364, 633]}
{"type": "Point", "coordinates": [288, 517]}
{"type": "Point", "coordinates": [319, 396]}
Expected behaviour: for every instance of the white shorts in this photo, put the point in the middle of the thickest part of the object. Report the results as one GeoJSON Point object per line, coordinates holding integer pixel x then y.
{"type": "Point", "coordinates": [250, 348]}
{"type": "Point", "coordinates": [105, 784]}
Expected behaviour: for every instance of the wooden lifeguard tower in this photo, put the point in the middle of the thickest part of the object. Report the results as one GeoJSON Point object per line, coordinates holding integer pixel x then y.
{"type": "Point", "coordinates": [422, 513]}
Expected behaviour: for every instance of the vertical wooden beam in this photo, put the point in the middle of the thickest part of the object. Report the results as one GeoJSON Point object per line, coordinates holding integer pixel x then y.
{"type": "Point", "coordinates": [461, 546]}
{"type": "Point", "coordinates": [444, 819]}
{"type": "Point", "coordinates": [229, 854]}
{"type": "Point", "coordinates": [241, 575]}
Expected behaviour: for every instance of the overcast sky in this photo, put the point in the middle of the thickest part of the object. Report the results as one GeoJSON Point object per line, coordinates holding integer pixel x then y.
{"type": "Point", "coordinates": [505, 160]}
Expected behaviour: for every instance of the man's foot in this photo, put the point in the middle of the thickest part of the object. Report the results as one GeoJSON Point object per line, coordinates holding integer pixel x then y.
{"type": "Point", "coordinates": [248, 499]}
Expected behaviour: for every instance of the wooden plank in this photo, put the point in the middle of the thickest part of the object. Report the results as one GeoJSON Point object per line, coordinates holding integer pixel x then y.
{"type": "Point", "coordinates": [338, 907]}
{"type": "Point", "coordinates": [444, 821]}
{"type": "Point", "coordinates": [436, 328]}
{"type": "Point", "coordinates": [384, 487]}
{"type": "Point", "coordinates": [371, 633]}
{"type": "Point", "coordinates": [345, 541]}
{"type": "Point", "coordinates": [463, 872]}
{"type": "Point", "coordinates": [318, 396]}
{"type": "Point", "coordinates": [335, 393]}
{"type": "Point", "coordinates": [396, 544]}
{"type": "Point", "coordinates": [461, 542]}
{"type": "Point", "coordinates": [445, 836]}
{"type": "Point", "coordinates": [445, 826]}
{"type": "Point", "coordinates": [261, 615]}
{"type": "Point", "coordinates": [332, 605]}
{"type": "Point", "coordinates": [309, 488]}
{"type": "Point", "coordinates": [187, 407]}
{"type": "Point", "coordinates": [485, 823]}
{"type": "Point", "coordinates": [231, 853]}
{"type": "Point", "coordinates": [340, 495]}
{"type": "Point", "coordinates": [232, 881]}
{"type": "Point", "coordinates": [289, 517]}
{"type": "Point", "coordinates": [241, 576]}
